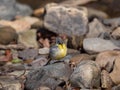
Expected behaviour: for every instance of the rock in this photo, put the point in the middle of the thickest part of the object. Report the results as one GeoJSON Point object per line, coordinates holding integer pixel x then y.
{"type": "Point", "coordinates": [116, 87]}
{"type": "Point", "coordinates": [8, 35]}
{"type": "Point", "coordinates": [23, 10]}
{"type": "Point", "coordinates": [114, 22]}
{"type": "Point", "coordinates": [30, 20]}
{"type": "Point", "coordinates": [116, 33]}
{"type": "Point", "coordinates": [86, 75]}
{"type": "Point", "coordinates": [65, 20]}
{"type": "Point", "coordinates": [44, 50]}
{"type": "Point", "coordinates": [76, 59]}
{"type": "Point", "coordinates": [10, 83]}
{"type": "Point", "coordinates": [96, 28]}
{"type": "Point", "coordinates": [18, 25]}
{"type": "Point", "coordinates": [76, 3]}
{"type": "Point", "coordinates": [96, 45]}
{"type": "Point", "coordinates": [39, 62]}
{"type": "Point", "coordinates": [10, 8]}
{"type": "Point", "coordinates": [106, 59]}
{"type": "Point", "coordinates": [106, 80]}
{"type": "Point", "coordinates": [48, 76]}
{"type": "Point", "coordinates": [28, 39]}
{"type": "Point", "coordinates": [115, 74]}
{"type": "Point", "coordinates": [96, 13]}
{"type": "Point", "coordinates": [28, 54]}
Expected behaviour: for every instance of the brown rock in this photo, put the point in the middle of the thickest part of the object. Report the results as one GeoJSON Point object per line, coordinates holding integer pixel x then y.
{"type": "Point", "coordinates": [7, 35]}
{"type": "Point", "coordinates": [75, 60]}
{"type": "Point", "coordinates": [18, 25]}
{"type": "Point", "coordinates": [116, 33]}
{"type": "Point", "coordinates": [106, 59]}
{"type": "Point", "coordinates": [115, 74]}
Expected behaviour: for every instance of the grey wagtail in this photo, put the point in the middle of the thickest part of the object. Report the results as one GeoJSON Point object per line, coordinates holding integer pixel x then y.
{"type": "Point", "coordinates": [59, 50]}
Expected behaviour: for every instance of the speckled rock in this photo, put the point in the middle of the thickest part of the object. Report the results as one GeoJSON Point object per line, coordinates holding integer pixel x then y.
{"type": "Point", "coordinates": [65, 20]}
{"type": "Point", "coordinates": [86, 75]}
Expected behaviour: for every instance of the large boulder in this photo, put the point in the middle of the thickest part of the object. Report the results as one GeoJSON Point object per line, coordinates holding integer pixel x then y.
{"type": "Point", "coordinates": [66, 20]}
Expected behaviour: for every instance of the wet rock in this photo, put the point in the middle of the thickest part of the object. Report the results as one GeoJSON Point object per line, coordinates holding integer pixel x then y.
{"type": "Point", "coordinates": [10, 8]}
{"type": "Point", "coordinates": [96, 28]}
{"type": "Point", "coordinates": [86, 75]}
{"type": "Point", "coordinates": [28, 39]}
{"type": "Point", "coordinates": [95, 45]}
{"type": "Point", "coordinates": [49, 76]}
{"type": "Point", "coordinates": [18, 25]}
{"type": "Point", "coordinates": [115, 74]}
{"type": "Point", "coordinates": [65, 20]}
{"type": "Point", "coordinates": [28, 54]}
{"type": "Point", "coordinates": [116, 33]}
{"type": "Point", "coordinates": [10, 83]}
{"type": "Point", "coordinates": [8, 35]}
{"type": "Point", "coordinates": [106, 59]}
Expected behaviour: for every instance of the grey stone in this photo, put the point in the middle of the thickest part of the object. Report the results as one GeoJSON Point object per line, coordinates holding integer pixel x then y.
{"type": "Point", "coordinates": [49, 76]}
{"type": "Point", "coordinates": [96, 28]}
{"type": "Point", "coordinates": [96, 45]}
{"type": "Point", "coordinates": [65, 20]}
{"type": "Point", "coordinates": [10, 8]}
{"type": "Point", "coordinates": [86, 75]}
{"type": "Point", "coordinates": [28, 54]}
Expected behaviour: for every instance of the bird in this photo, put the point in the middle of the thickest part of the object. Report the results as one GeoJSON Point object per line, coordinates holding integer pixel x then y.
{"type": "Point", "coordinates": [59, 50]}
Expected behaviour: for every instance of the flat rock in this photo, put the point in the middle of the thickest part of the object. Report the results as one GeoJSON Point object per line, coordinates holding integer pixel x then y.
{"type": "Point", "coordinates": [28, 39]}
{"type": "Point", "coordinates": [8, 35]}
{"type": "Point", "coordinates": [86, 75]}
{"type": "Point", "coordinates": [48, 76]}
{"type": "Point", "coordinates": [65, 20]}
{"type": "Point", "coordinates": [106, 59]}
{"type": "Point", "coordinates": [96, 45]}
